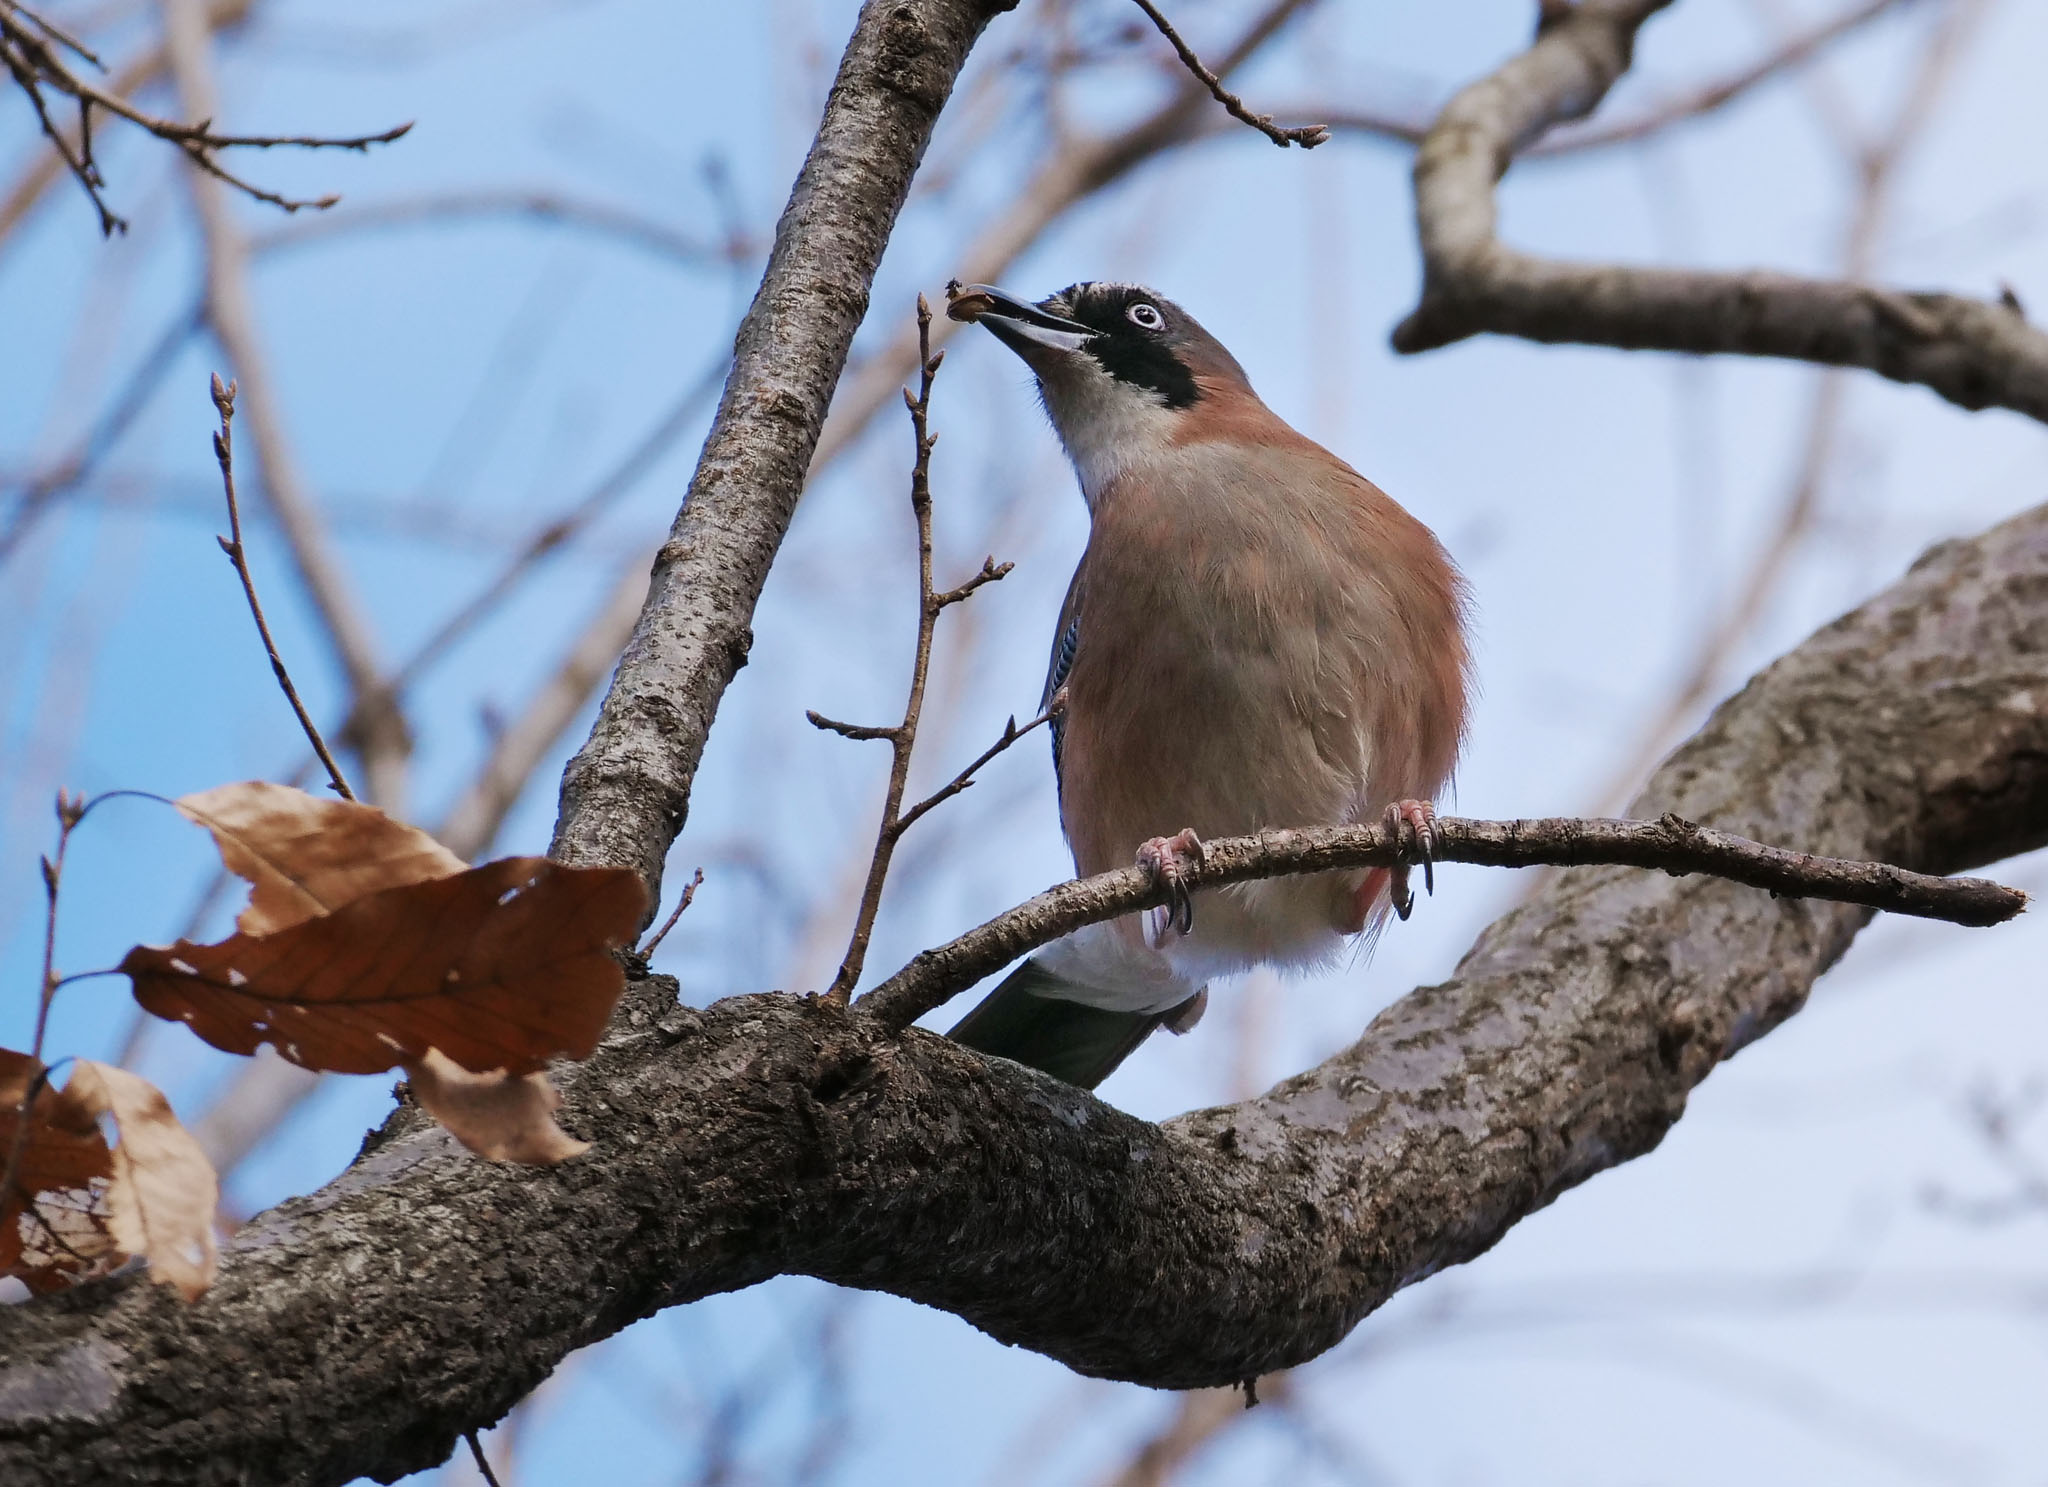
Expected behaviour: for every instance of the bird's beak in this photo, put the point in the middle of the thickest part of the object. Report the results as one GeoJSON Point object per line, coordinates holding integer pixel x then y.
{"type": "Point", "coordinates": [1015, 322]}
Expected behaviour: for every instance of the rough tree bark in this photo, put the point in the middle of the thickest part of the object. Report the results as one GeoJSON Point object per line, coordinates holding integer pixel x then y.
{"type": "Point", "coordinates": [359, 1330]}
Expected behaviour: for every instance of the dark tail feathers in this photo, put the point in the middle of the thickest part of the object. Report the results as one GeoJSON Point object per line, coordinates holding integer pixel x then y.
{"type": "Point", "coordinates": [1026, 1020]}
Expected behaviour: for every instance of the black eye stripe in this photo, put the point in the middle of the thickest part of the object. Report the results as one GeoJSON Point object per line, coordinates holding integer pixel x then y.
{"type": "Point", "coordinates": [1143, 355]}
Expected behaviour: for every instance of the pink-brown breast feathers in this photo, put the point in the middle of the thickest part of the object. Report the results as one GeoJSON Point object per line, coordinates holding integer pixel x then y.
{"type": "Point", "coordinates": [1265, 639]}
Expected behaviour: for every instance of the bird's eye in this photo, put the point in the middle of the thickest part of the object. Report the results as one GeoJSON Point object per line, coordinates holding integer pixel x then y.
{"type": "Point", "coordinates": [1146, 317]}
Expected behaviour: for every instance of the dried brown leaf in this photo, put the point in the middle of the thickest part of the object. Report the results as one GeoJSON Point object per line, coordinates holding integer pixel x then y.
{"type": "Point", "coordinates": [501, 967]}
{"type": "Point", "coordinates": [304, 856]}
{"type": "Point", "coordinates": [164, 1192]}
{"type": "Point", "coordinates": [504, 1117]}
{"type": "Point", "coordinates": [54, 1218]}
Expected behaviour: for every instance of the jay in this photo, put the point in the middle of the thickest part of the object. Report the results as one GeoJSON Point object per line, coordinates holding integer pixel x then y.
{"type": "Point", "coordinates": [1256, 636]}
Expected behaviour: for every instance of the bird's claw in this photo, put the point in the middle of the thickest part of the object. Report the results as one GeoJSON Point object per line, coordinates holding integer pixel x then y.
{"type": "Point", "coordinates": [1413, 824]}
{"type": "Point", "coordinates": [1167, 859]}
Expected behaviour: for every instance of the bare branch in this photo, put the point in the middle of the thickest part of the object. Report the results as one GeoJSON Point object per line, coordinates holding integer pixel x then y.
{"type": "Point", "coordinates": [1670, 844]}
{"type": "Point", "coordinates": [380, 739]}
{"type": "Point", "coordinates": [1010, 734]}
{"type": "Point", "coordinates": [45, 166]}
{"type": "Point", "coordinates": [34, 66]}
{"type": "Point", "coordinates": [224, 452]}
{"type": "Point", "coordinates": [483, 1464]}
{"type": "Point", "coordinates": [1652, 119]}
{"type": "Point", "coordinates": [776, 1134]}
{"type": "Point", "coordinates": [860, 732]}
{"type": "Point", "coordinates": [1308, 136]}
{"type": "Point", "coordinates": [1875, 169]}
{"type": "Point", "coordinates": [991, 572]}
{"type": "Point", "coordinates": [689, 897]}
{"type": "Point", "coordinates": [1975, 353]}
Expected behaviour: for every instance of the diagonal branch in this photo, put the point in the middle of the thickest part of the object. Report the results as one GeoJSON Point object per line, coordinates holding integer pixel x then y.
{"type": "Point", "coordinates": [1975, 353]}
{"type": "Point", "coordinates": [626, 793]}
{"type": "Point", "coordinates": [237, 554]}
{"type": "Point", "coordinates": [772, 1134]}
{"type": "Point", "coordinates": [1308, 136]}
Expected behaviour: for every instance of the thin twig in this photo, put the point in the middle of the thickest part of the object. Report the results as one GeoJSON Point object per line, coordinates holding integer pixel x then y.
{"type": "Point", "coordinates": [55, 32]}
{"type": "Point", "coordinates": [1308, 136]}
{"type": "Point", "coordinates": [902, 737]}
{"type": "Point", "coordinates": [647, 950]}
{"type": "Point", "coordinates": [1069, 174]}
{"type": "Point", "coordinates": [70, 811]}
{"type": "Point", "coordinates": [476, 1451]}
{"type": "Point", "coordinates": [1011, 733]}
{"type": "Point", "coordinates": [224, 451]}
{"type": "Point", "coordinates": [26, 48]}
{"type": "Point", "coordinates": [1670, 843]}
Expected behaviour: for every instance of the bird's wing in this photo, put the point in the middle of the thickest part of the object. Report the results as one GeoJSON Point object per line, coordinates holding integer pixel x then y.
{"type": "Point", "coordinates": [1066, 639]}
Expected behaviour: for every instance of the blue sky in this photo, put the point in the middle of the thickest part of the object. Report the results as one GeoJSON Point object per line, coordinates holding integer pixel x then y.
{"type": "Point", "coordinates": [449, 385]}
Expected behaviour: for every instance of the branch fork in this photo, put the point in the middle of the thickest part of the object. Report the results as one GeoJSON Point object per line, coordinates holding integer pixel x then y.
{"type": "Point", "coordinates": [902, 737]}
{"type": "Point", "coordinates": [31, 50]}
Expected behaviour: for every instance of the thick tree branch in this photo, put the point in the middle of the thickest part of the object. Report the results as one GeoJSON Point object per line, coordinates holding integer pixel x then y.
{"type": "Point", "coordinates": [1975, 353]}
{"type": "Point", "coordinates": [362, 1329]}
{"type": "Point", "coordinates": [625, 794]}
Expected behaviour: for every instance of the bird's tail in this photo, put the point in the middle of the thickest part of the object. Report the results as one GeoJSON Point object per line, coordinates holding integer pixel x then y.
{"type": "Point", "coordinates": [1028, 1020]}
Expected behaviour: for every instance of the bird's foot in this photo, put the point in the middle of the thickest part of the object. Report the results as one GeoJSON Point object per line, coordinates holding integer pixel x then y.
{"type": "Point", "coordinates": [1167, 859]}
{"type": "Point", "coordinates": [1413, 823]}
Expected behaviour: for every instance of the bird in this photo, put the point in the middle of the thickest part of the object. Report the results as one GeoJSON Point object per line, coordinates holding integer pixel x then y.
{"type": "Point", "coordinates": [1256, 636]}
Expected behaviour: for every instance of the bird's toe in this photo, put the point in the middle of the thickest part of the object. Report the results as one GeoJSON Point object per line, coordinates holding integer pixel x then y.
{"type": "Point", "coordinates": [1168, 859]}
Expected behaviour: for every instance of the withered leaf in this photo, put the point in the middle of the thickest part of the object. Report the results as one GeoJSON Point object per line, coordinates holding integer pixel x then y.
{"type": "Point", "coordinates": [501, 967]}
{"type": "Point", "coordinates": [77, 1208]}
{"type": "Point", "coordinates": [304, 856]}
{"type": "Point", "coordinates": [53, 1219]}
{"type": "Point", "coordinates": [164, 1192]}
{"type": "Point", "coordinates": [503, 1117]}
